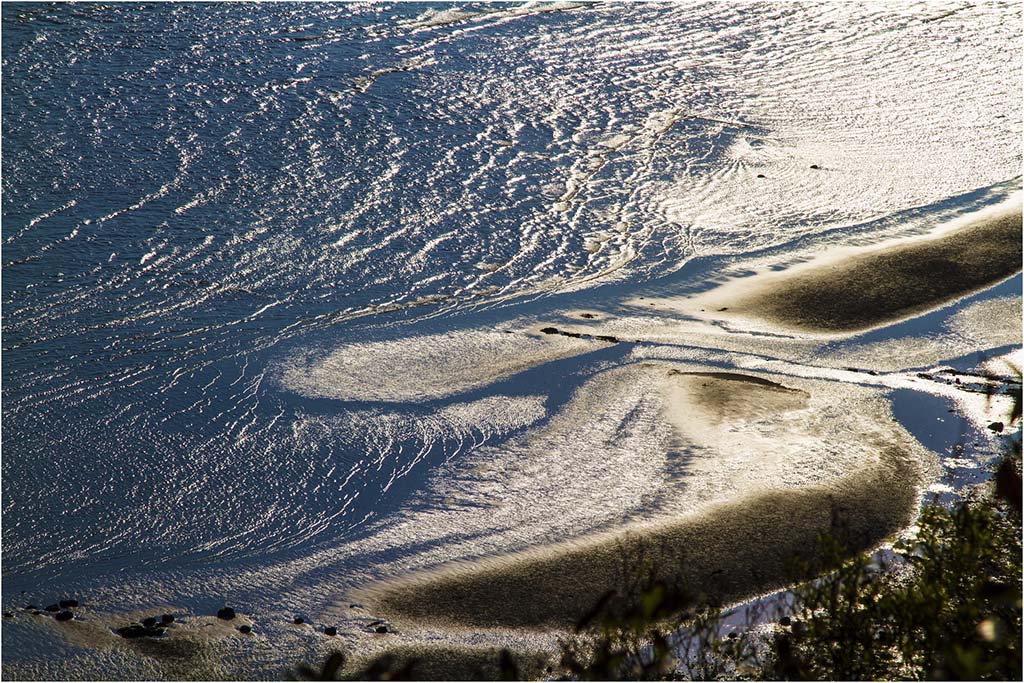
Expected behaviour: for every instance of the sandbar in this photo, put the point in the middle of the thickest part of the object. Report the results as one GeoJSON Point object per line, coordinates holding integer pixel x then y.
{"type": "Point", "coordinates": [719, 553]}
{"type": "Point", "coordinates": [857, 289]}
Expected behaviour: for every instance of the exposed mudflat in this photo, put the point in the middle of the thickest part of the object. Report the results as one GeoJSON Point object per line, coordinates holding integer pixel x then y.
{"type": "Point", "coordinates": [856, 289]}
{"type": "Point", "coordinates": [406, 303]}
{"type": "Point", "coordinates": [717, 552]}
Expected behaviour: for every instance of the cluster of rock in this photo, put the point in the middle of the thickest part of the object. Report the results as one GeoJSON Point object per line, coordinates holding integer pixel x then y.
{"type": "Point", "coordinates": [379, 627]}
{"type": "Point", "coordinates": [228, 614]}
{"type": "Point", "coordinates": [150, 627]}
{"type": "Point", "coordinates": [61, 610]}
{"type": "Point", "coordinates": [156, 626]}
{"type": "Point", "coordinates": [579, 335]}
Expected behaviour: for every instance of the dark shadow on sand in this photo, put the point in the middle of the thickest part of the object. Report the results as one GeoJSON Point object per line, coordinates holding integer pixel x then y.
{"type": "Point", "coordinates": [731, 552]}
{"type": "Point", "coordinates": [882, 285]}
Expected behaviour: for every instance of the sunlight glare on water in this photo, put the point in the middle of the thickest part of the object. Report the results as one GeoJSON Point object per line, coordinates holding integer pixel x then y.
{"type": "Point", "coordinates": [262, 262]}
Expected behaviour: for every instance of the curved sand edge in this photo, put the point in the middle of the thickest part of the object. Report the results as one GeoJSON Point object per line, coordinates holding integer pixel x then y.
{"type": "Point", "coordinates": [734, 551]}
{"type": "Point", "coordinates": [719, 555]}
{"type": "Point", "coordinates": [850, 290]}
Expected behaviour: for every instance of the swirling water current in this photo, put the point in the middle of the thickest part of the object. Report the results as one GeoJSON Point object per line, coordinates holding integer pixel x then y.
{"type": "Point", "coordinates": [196, 195]}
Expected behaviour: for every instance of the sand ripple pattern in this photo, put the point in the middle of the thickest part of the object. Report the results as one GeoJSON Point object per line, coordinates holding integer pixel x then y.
{"type": "Point", "coordinates": [192, 199]}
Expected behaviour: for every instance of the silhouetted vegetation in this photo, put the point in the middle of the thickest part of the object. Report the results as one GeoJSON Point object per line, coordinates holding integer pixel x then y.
{"type": "Point", "coordinates": [945, 605]}
{"type": "Point", "coordinates": [948, 607]}
{"type": "Point", "coordinates": [942, 604]}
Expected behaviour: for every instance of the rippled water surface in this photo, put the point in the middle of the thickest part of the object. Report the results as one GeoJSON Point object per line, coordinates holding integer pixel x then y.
{"type": "Point", "coordinates": [238, 241]}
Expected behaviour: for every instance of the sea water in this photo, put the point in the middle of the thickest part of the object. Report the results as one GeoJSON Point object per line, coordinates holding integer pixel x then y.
{"type": "Point", "coordinates": [269, 270]}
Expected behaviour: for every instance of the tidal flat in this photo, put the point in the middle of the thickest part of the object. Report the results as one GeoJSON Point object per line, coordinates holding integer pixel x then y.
{"type": "Point", "coordinates": [859, 288]}
{"type": "Point", "coordinates": [413, 331]}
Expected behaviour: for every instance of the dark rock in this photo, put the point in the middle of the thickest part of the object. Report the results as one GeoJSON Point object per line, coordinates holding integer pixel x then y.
{"type": "Point", "coordinates": [723, 308]}
{"type": "Point", "coordinates": [30, 607]}
{"type": "Point", "coordinates": [785, 621]}
{"type": "Point", "coordinates": [226, 613]}
{"type": "Point", "coordinates": [607, 338]}
{"type": "Point", "coordinates": [549, 330]}
{"type": "Point", "coordinates": [166, 619]}
{"type": "Point", "coordinates": [760, 175]}
{"type": "Point", "coordinates": [733, 635]}
{"type": "Point", "coordinates": [356, 605]}
{"type": "Point", "coordinates": [36, 612]}
{"type": "Point", "coordinates": [994, 426]}
{"type": "Point", "coordinates": [52, 608]}
{"type": "Point", "coordinates": [924, 375]}
{"type": "Point", "coordinates": [149, 622]}
{"type": "Point", "coordinates": [1008, 484]}
{"type": "Point", "coordinates": [64, 615]}
{"type": "Point", "coordinates": [574, 335]}
{"type": "Point", "coordinates": [299, 620]}
{"type": "Point", "coordinates": [66, 604]}
{"type": "Point", "coordinates": [245, 628]}
{"type": "Point", "coordinates": [139, 631]}
{"type": "Point", "coordinates": [330, 631]}
{"type": "Point", "coordinates": [588, 316]}
{"type": "Point", "coordinates": [382, 629]}
{"type": "Point", "coordinates": [815, 166]}
{"type": "Point", "coordinates": [8, 615]}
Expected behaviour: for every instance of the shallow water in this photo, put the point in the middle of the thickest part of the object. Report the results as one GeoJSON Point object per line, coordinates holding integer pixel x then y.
{"type": "Point", "coordinates": [272, 272]}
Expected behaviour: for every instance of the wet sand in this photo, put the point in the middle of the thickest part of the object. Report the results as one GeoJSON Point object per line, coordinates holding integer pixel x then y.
{"type": "Point", "coordinates": [734, 551]}
{"type": "Point", "coordinates": [723, 553]}
{"type": "Point", "coordinates": [426, 367]}
{"type": "Point", "coordinates": [193, 647]}
{"type": "Point", "coordinates": [862, 288]}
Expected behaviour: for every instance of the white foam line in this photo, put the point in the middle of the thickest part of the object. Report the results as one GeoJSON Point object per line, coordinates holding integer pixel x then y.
{"type": "Point", "coordinates": [262, 310]}
{"type": "Point", "coordinates": [39, 219]}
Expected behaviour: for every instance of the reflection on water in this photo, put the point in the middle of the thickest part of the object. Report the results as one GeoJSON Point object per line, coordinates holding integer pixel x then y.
{"type": "Point", "coordinates": [201, 202]}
